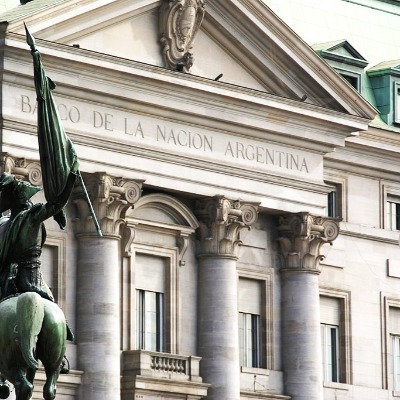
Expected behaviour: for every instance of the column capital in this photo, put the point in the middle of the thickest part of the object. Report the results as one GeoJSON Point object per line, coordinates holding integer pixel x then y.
{"type": "Point", "coordinates": [111, 197]}
{"type": "Point", "coordinates": [23, 168]}
{"type": "Point", "coordinates": [221, 221]}
{"type": "Point", "coordinates": [301, 238]}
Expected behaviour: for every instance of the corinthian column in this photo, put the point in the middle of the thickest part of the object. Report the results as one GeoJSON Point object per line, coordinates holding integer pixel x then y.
{"type": "Point", "coordinates": [221, 221]}
{"type": "Point", "coordinates": [98, 271]}
{"type": "Point", "coordinates": [301, 237]}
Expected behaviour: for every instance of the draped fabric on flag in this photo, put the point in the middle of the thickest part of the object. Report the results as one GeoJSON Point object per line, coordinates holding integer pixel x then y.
{"type": "Point", "coordinates": [57, 154]}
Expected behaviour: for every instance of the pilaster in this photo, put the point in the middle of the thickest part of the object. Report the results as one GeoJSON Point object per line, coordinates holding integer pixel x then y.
{"type": "Point", "coordinates": [221, 221]}
{"type": "Point", "coordinates": [301, 238]}
{"type": "Point", "coordinates": [98, 281]}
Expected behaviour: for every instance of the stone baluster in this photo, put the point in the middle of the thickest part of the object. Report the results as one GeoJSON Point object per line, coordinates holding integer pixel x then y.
{"type": "Point", "coordinates": [301, 237]}
{"type": "Point", "coordinates": [98, 283]}
{"type": "Point", "coordinates": [221, 221]}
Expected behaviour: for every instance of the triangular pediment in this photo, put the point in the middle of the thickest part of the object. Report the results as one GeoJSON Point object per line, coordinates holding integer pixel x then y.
{"type": "Point", "coordinates": [391, 67]}
{"type": "Point", "coordinates": [240, 39]}
{"type": "Point", "coordinates": [341, 50]}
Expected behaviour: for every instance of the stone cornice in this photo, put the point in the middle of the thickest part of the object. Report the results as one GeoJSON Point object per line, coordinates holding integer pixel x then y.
{"type": "Point", "coordinates": [154, 87]}
{"type": "Point", "coordinates": [301, 237]}
{"type": "Point", "coordinates": [111, 197]}
{"type": "Point", "coordinates": [221, 221]}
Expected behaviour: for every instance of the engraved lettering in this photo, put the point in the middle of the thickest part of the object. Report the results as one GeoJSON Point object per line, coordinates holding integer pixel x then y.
{"type": "Point", "coordinates": [294, 161]}
{"type": "Point", "coordinates": [229, 150]}
{"type": "Point", "coordinates": [160, 133]}
{"type": "Point", "coordinates": [102, 120]}
{"type": "Point", "coordinates": [304, 165]}
{"type": "Point", "coordinates": [97, 119]}
{"type": "Point", "coordinates": [26, 104]}
{"type": "Point", "coordinates": [250, 152]}
{"type": "Point", "coordinates": [179, 138]}
{"type": "Point", "coordinates": [62, 109]}
{"type": "Point", "coordinates": [270, 156]}
{"type": "Point", "coordinates": [138, 131]}
{"type": "Point", "coordinates": [108, 121]}
{"type": "Point", "coordinates": [263, 155]}
{"type": "Point", "coordinates": [260, 153]}
{"type": "Point", "coordinates": [197, 141]}
{"type": "Point", "coordinates": [185, 139]}
{"type": "Point", "coordinates": [239, 149]}
{"type": "Point", "coordinates": [74, 114]}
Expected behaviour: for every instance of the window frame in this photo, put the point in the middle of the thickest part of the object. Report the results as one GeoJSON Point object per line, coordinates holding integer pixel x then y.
{"type": "Point", "coordinates": [388, 190]}
{"type": "Point", "coordinates": [395, 353]}
{"type": "Point", "coordinates": [58, 246]}
{"type": "Point", "coordinates": [266, 318]}
{"type": "Point", "coordinates": [250, 354]}
{"type": "Point", "coordinates": [345, 73]}
{"type": "Point", "coordinates": [388, 301]}
{"type": "Point", "coordinates": [392, 219]}
{"type": "Point", "coordinates": [171, 297]}
{"type": "Point", "coordinates": [142, 321]}
{"type": "Point", "coordinates": [339, 184]}
{"type": "Point", "coordinates": [331, 374]}
{"type": "Point", "coordinates": [344, 338]}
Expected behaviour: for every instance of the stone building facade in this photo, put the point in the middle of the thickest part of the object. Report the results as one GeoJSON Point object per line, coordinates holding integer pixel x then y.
{"type": "Point", "coordinates": [243, 188]}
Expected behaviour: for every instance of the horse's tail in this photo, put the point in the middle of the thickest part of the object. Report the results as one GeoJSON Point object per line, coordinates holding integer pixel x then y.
{"type": "Point", "coordinates": [30, 315]}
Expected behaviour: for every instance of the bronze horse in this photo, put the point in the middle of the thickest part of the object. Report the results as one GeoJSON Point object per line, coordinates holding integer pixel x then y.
{"type": "Point", "coordinates": [31, 329]}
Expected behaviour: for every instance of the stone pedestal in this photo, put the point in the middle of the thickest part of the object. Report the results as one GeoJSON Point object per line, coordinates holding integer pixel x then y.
{"type": "Point", "coordinates": [302, 235]}
{"type": "Point", "coordinates": [221, 221]}
{"type": "Point", "coordinates": [98, 279]}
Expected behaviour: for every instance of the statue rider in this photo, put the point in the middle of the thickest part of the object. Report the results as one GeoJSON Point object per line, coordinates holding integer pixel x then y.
{"type": "Point", "coordinates": [22, 235]}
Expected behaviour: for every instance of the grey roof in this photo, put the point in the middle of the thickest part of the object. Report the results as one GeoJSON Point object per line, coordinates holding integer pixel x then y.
{"type": "Point", "coordinates": [22, 11]}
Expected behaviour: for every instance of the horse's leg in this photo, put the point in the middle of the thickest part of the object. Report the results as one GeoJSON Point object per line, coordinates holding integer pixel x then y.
{"type": "Point", "coordinates": [49, 389]}
{"type": "Point", "coordinates": [30, 375]}
{"type": "Point", "coordinates": [23, 388]}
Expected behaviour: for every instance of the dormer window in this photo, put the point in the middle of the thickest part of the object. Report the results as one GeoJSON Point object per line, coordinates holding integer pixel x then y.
{"type": "Point", "coordinates": [385, 82]}
{"type": "Point", "coordinates": [345, 59]}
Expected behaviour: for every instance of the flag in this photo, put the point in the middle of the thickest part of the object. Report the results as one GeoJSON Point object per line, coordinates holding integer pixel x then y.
{"type": "Point", "coordinates": [58, 157]}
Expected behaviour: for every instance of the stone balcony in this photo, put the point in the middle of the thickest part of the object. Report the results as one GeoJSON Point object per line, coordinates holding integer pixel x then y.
{"type": "Point", "coordinates": [148, 375]}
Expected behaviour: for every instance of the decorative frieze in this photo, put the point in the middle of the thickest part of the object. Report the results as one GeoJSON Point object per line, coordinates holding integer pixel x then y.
{"type": "Point", "coordinates": [111, 198]}
{"type": "Point", "coordinates": [301, 237]}
{"type": "Point", "coordinates": [180, 21]}
{"type": "Point", "coordinates": [221, 221]}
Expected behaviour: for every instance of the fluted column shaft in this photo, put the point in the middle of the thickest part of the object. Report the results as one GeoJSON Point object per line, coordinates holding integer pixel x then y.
{"type": "Point", "coordinates": [98, 285]}
{"type": "Point", "coordinates": [221, 221]}
{"type": "Point", "coordinates": [302, 235]}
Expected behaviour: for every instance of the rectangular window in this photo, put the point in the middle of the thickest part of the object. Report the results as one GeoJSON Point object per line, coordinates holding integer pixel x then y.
{"type": "Point", "coordinates": [150, 320]}
{"type": "Point", "coordinates": [393, 213]}
{"type": "Point", "coordinates": [330, 352]}
{"type": "Point", "coordinates": [394, 345]}
{"type": "Point", "coordinates": [332, 328]}
{"type": "Point", "coordinates": [250, 340]}
{"type": "Point", "coordinates": [353, 80]}
{"type": "Point", "coordinates": [334, 201]}
{"type": "Point", "coordinates": [396, 361]}
{"type": "Point", "coordinates": [251, 337]}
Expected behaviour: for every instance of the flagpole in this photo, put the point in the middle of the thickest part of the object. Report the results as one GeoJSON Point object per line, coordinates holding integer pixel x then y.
{"type": "Point", "coordinates": [92, 213]}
